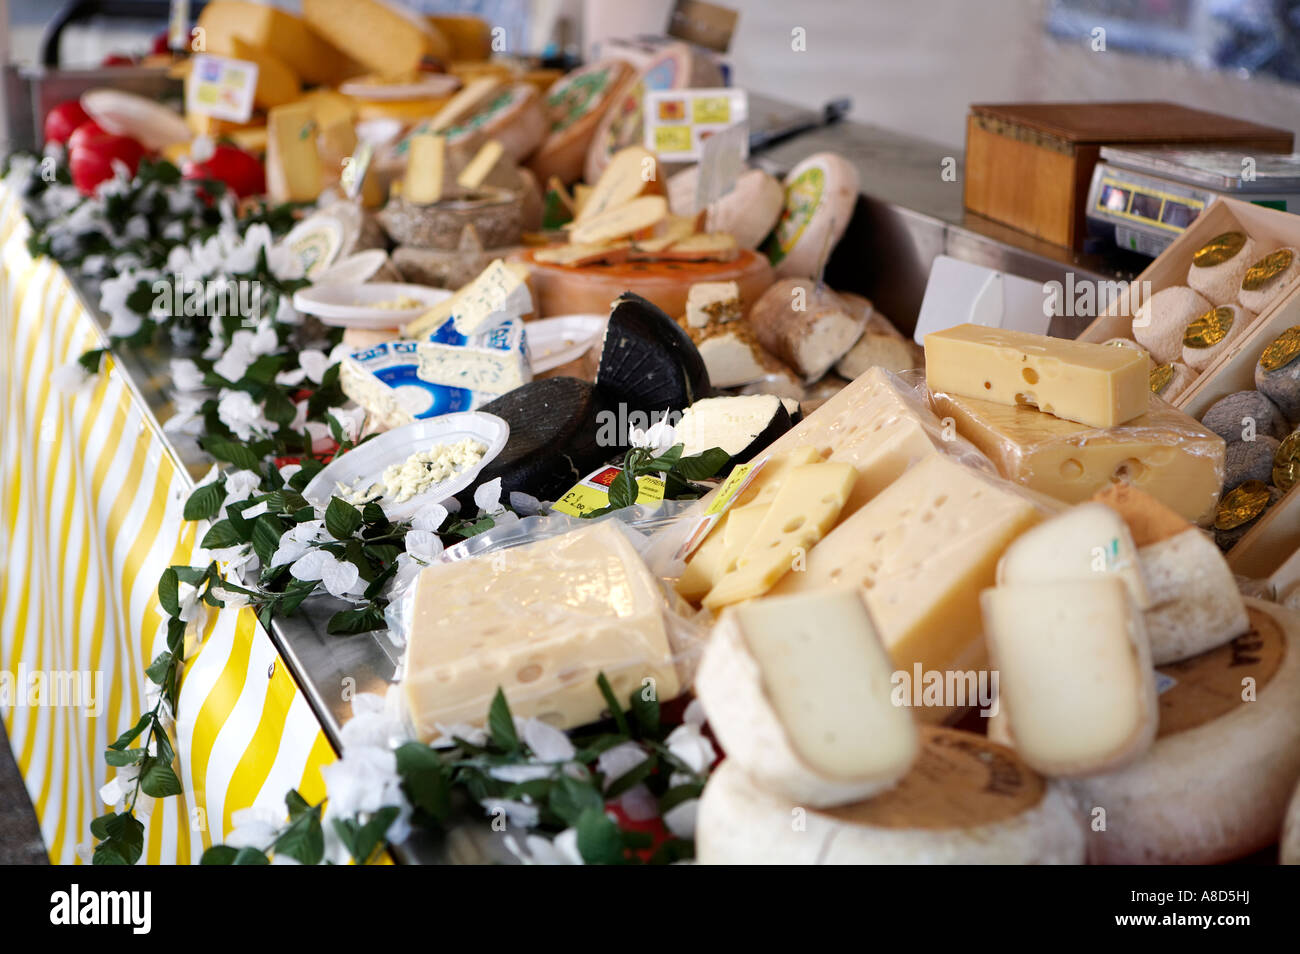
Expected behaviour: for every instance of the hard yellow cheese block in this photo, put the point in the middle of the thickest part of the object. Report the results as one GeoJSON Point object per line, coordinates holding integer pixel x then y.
{"type": "Point", "coordinates": [923, 549]}
{"type": "Point", "coordinates": [1164, 452]}
{"type": "Point", "coordinates": [1077, 380]}
{"type": "Point", "coordinates": [541, 621]}
{"type": "Point", "coordinates": [425, 168]}
{"type": "Point", "coordinates": [801, 513]}
{"type": "Point", "coordinates": [385, 37]}
{"type": "Point", "coordinates": [293, 166]}
{"type": "Point", "coordinates": [283, 34]}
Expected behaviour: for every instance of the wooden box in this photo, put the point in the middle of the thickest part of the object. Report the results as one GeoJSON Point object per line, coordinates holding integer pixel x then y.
{"type": "Point", "coordinates": [1028, 165]}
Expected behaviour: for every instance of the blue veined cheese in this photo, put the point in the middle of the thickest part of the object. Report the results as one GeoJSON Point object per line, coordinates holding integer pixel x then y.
{"type": "Point", "coordinates": [498, 293]}
{"type": "Point", "coordinates": [494, 361]}
{"type": "Point", "coordinates": [384, 381]}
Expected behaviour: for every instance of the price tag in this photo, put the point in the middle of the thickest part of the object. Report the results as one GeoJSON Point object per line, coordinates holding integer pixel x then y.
{"type": "Point", "coordinates": [178, 26]}
{"type": "Point", "coordinates": [355, 168]}
{"type": "Point", "coordinates": [221, 87]}
{"type": "Point", "coordinates": [679, 121]}
{"type": "Point", "coordinates": [729, 492]}
{"type": "Point", "coordinates": [722, 160]}
{"type": "Point", "coordinates": [592, 492]}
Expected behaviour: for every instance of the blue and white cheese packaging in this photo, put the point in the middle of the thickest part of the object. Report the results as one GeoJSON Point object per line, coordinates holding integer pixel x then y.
{"type": "Point", "coordinates": [384, 380]}
{"type": "Point", "coordinates": [494, 360]}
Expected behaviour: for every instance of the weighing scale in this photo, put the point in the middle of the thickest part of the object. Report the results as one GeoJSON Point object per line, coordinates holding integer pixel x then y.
{"type": "Point", "coordinates": [1145, 198]}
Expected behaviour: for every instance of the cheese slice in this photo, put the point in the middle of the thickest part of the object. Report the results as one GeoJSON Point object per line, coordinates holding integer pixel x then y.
{"type": "Point", "coordinates": [1075, 673]}
{"type": "Point", "coordinates": [798, 692]}
{"type": "Point", "coordinates": [293, 166]}
{"type": "Point", "coordinates": [805, 508]}
{"type": "Point", "coordinates": [631, 172]}
{"type": "Point", "coordinates": [966, 801]}
{"type": "Point", "coordinates": [499, 292]}
{"type": "Point", "coordinates": [540, 621]}
{"type": "Point", "coordinates": [621, 221]}
{"type": "Point", "coordinates": [923, 550]}
{"type": "Point", "coordinates": [481, 167]}
{"type": "Point", "coordinates": [742, 523]}
{"type": "Point", "coordinates": [425, 168]}
{"type": "Point", "coordinates": [277, 83]}
{"type": "Point", "coordinates": [464, 104]}
{"type": "Point", "coordinates": [1082, 543]}
{"type": "Point", "coordinates": [1076, 380]}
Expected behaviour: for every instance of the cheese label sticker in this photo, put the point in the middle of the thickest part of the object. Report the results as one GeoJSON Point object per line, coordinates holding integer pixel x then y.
{"type": "Point", "coordinates": [592, 492]}
{"type": "Point", "coordinates": [802, 197]}
{"type": "Point", "coordinates": [679, 122]}
{"type": "Point", "coordinates": [741, 476]}
{"type": "Point", "coordinates": [221, 87]}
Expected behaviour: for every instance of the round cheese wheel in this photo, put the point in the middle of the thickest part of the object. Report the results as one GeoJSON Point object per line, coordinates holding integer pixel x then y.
{"type": "Point", "coordinates": [1269, 279]}
{"type": "Point", "coordinates": [1212, 333]}
{"type": "Point", "coordinates": [1218, 266]}
{"type": "Point", "coordinates": [575, 105]}
{"type": "Point", "coordinates": [820, 194]}
{"type": "Point", "coordinates": [1160, 322]}
{"type": "Point", "coordinates": [966, 801]}
{"type": "Point", "coordinates": [748, 212]}
{"type": "Point", "coordinates": [674, 66]}
{"type": "Point", "coordinates": [589, 289]}
{"type": "Point", "coordinates": [513, 117]}
{"type": "Point", "coordinates": [1216, 783]}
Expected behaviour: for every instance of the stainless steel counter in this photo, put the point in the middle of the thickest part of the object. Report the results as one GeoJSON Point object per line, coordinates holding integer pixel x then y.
{"type": "Point", "coordinates": [908, 214]}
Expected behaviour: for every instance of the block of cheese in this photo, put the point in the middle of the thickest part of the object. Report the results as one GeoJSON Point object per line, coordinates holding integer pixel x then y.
{"type": "Point", "coordinates": [874, 425]}
{"type": "Point", "coordinates": [621, 221]}
{"type": "Point", "coordinates": [734, 357]}
{"type": "Point", "coordinates": [966, 801]}
{"type": "Point", "coordinates": [539, 621]}
{"type": "Point", "coordinates": [713, 302]}
{"type": "Point", "coordinates": [1075, 673]}
{"type": "Point", "coordinates": [425, 168]}
{"type": "Point", "coordinates": [491, 361]}
{"type": "Point", "coordinates": [1164, 452]}
{"type": "Point", "coordinates": [499, 292]}
{"type": "Point", "coordinates": [1195, 603]}
{"type": "Point", "coordinates": [269, 28]}
{"type": "Point", "coordinates": [923, 549]}
{"type": "Point", "coordinates": [801, 513]}
{"type": "Point", "coordinates": [742, 523]}
{"type": "Point", "coordinates": [293, 166]}
{"type": "Point", "coordinates": [1215, 785]}
{"type": "Point", "coordinates": [1076, 380]}
{"type": "Point", "coordinates": [277, 83]}
{"type": "Point", "coordinates": [1148, 520]}
{"type": "Point", "coordinates": [470, 37]}
{"type": "Point", "coordinates": [798, 692]}
{"type": "Point", "coordinates": [806, 325]}
{"type": "Point", "coordinates": [705, 565]}
{"type": "Point", "coordinates": [1082, 543]}
{"type": "Point", "coordinates": [384, 36]}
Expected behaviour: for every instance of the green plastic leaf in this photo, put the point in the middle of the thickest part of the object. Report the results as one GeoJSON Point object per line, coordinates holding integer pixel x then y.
{"type": "Point", "coordinates": [160, 668]}
{"type": "Point", "coordinates": [623, 491]}
{"type": "Point", "coordinates": [303, 840]}
{"type": "Point", "coordinates": [133, 733]}
{"type": "Point", "coordinates": [220, 535]}
{"type": "Point", "coordinates": [342, 519]}
{"type": "Point", "coordinates": [702, 466]}
{"type": "Point", "coordinates": [167, 592]}
{"type": "Point", "coordinates": [599, 840]}
{"type": "Point", "coordinates": [219, 855]}
{"type": "Point", "coordinates": [425, 779]}
{"type": "Point", "coordinates": [158, 779]}
{"type": "Point", "coordinates": [501, 725]}
{"type": "Point", "coordinates": [611, 701]}
{"type": "Point", "coordinates": [296, 804]}
{"type": "Point", "coordinates": [267, 531]}
{"type": "Point", "coordinates": [92, 360]}
{"type": "Point", "coordinates": [363, 619]}
{"type": "Point", "coordinates": [250, 856]}
{"type": "Point", "coordinates": [570, 797]}
{"type": "Point", "coordinates": [631, 778]}
{"type": "Point", "coordinates": [204, 503]}
{"type": "Point", "coordinates": [231, 452]}
{"type": "Point", "coordinates": [645, 711]}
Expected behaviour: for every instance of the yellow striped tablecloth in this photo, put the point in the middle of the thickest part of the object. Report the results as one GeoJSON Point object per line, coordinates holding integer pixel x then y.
{"type": "Point", "coordinates": [91, 499]}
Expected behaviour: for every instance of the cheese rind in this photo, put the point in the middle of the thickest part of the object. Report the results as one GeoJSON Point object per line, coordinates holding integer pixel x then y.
{"type": "Point", "coordinates": [1076, 380]}
{"type": "Point", "coordinates": [797, 690]}
{"type": "Point", "coordinates": [1195, 603]}
{"type": "Point", "coordinates": [540, 621]}
{"type": "Point", "coordinates": [1164, 452]}
{"type": "Point", "coordinates": [1075, 673]}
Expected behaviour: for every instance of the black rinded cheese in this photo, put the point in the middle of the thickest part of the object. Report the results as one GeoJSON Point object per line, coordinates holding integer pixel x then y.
{"type": "Point", "coordinates": [795, 409]}
{"type": "Point", "coordinates": [648, 363]}
{"type": "Point", "coordinates": [554, 427]}
{"type": "Point", "coordinates": [741, 426]}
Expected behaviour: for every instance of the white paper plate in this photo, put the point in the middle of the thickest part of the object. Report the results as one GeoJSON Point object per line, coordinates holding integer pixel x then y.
{"type": "Point", "coordinates": [351, 305]}
{"type": "Point", "coordinates": [368, 462]}
{"type": "Point", "coordinates": [356, 269]}
{"type": "Point", "coordinates": [428, 87]}
{"type": "Point", "coordinates": [559, 340]}
{"type": "Point", "coordinates": [126, 114]}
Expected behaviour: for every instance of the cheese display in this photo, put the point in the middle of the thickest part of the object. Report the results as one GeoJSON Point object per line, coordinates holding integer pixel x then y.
{"type": "Point", "coordinates": [425, 169]}
{"type": "Point", "coordinates": [713, 303]}
{"type": "Point", "coordinates": [647, 362]}
{"type": "Point", "coordinates": [631, 173]}
{"type": "Point", "coordinates": [1218, 266]}
{"type": "Point", "coordinates": [500, 292]}
{"type": "Point", "coordinates": [277, 83]}
{"type": "Point", "coordinates": [1196, 605]}
{"type": "Point", "coordinates": [1076, 683]}
{"type": "Point", "coordinates": [574, 106]}
{"type": "Point", "coordinates": [385, 380]}
{"type": "Point", "coordinates": [805, 325]}
{"type": "Point", "coordinates": [1216, 783]}
{"type": "Point", "coordinates": [1161, 321]}
{"type": "Point", "coordinates": [1211, 334]}
{"type": "Point", "coordinates": [820, 195]}
{"type": "Point", "coordinates": [1277, 376]}
{"type": "Point", "coordinates": [1074, 380]}
{"type": "Point", "coordinates": [734, 357]}
{"type": "Point", "coordinates": [546, 620]}
{"type": "Point", "coordinates": [621, 221]}
{"type": "Point", "coordinates": [798, 690]}
{"type": "Point", "coordinates": [1163, 452]}
{"type": "Point", "coordinates": [512, 116]}
{"type": "Point", "coordinates": [742, 426]}
{"type": "Point", "coordinates": [966, 801]}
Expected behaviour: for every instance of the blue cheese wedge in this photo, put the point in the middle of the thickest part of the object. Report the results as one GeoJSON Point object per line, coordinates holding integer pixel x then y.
{"type": "Point", "coordinates": [498, 293]}
{"type": "Point", "coordinates": [384, 381]}
{"type": "Point", "coordinates": [493, 361]}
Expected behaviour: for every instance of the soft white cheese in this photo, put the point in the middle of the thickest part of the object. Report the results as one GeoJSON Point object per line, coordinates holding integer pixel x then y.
{"type": "Point", "coordinates": [419, 472]}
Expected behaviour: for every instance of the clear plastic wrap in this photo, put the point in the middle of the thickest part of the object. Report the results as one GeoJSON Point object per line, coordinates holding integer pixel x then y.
{"type": "Point", "coordinates": [1166, 453]}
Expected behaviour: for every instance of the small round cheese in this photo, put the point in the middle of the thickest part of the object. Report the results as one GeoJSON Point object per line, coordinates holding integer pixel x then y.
{"type": "Point", "coordinates": [1169, 381]}
{"type": "Point", "coordinates": [1161, 320]}
{"type": "Point", "coordinates": [1269, 278]}
{"type": "Point", "coordinates": [1280, 385]}
{"type": "Point", "coordinates": [1238, 414]}
{"type": "Point", "coordinates": [1216, 277]}
{"type": "Point", "coordinates": [1249, 460]}
{"type": "Point", "coordinates": [1212, 333]}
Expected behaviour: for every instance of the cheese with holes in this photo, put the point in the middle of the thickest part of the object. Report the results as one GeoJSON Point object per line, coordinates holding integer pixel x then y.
{"type": "Point", "coordinates": [923, 549]}
{"type": "Point", "coordinates": [1075, 673]}
{"type": "Point", "coordinates": [1082, 543]}
{"type": "Point", "coordinates": [801, 513]}
{"type": "Point", "coordinates": [621, 221]}
{"type": "Point", "coordinates": [966, 801]}
{"type": "Point", "coordinates": [293, 166]}
{"type": "Point", "coordinates": [1076, 380]}
{"type": "Point", "coordinates": [539, 621]}
{"type": "Point", "coordinates": [1216, 783]}
{"type": "Point", "coordinates": [798, 692]}
{"type": "Point", "coordinates": [266, 27]}
{"type": "Point", "coordinates": [1164, 452]}
{"type": "Point", "coordinates": [277, 83]}
{"type": "Point", "coordinates": [425, 167]}
{"type": "Point", "coordinates": [386, 37]}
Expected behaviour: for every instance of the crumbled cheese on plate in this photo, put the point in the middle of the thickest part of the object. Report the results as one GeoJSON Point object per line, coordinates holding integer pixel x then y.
{"type": "Point", "coordinates": [418, 473]}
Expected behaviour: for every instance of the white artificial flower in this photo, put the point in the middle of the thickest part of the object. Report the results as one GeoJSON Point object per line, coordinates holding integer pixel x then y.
{"type": "Point", "coordinates": [423, 545]}
{"type": "Point", "coordinates": [694, 714]}
{"type": "Point", "coordinates": [174, 231]}
{"type": "Point", "coordinates": [680, 819]}
{"type": "Point", "coordinates": [239, 412]}
{"type": "Point", "coordinates": [123, 322]}
{"type": "Point", "coordinates": [659, 438]}
{"type": "Point", "coordinates": [448, 733]}
{"type": "Point", "coordinates": [339, 577]}
{"type": "Point", "coordinates": [537, 850]}
{"type": "Point", "coordinates": [236, 558]}
{"type": "Point", "coordinates": [291, 379]}
{"type": "Point", "coordinates": [237, 358]}
{"type": "Point", "coordinates": [85, 852]}
{"type": "Point", "coordinates": [298, 540]}
{"type": "Point", "coordinates": [487, 497]}
{"type": "Point", "coordinates": [255, 511]}
{"type": "Point", "coordinates": [639, 803]}
{"type": "Point", "coordinates": [408, 570]}
{"type": "Point", "coordinates": [350, 419]}
{"type": "Point", "coordinates": [191, 601]}
{"type": "Point", "coordinates": [115, 790]}
{"type": "Point", "coordinates": [525, 504]}
{"type": "Point", "coordinates": [547, 743]}
{"type": "Point", "coordinates": [616, 762]}
{"type": "Point", "coordinates": [315, 363]}
{"type": "Point", "coordinates": [255, 827]}
{"type": "Point", "coordinates": [365, 779]}
{"type": "Point", "coordinates": [518, 814]}
{"type": "Point", "coordinates": [321, 439]}
{"type": "Point", "coordinates": [262, 341]}
{"type": "Point", "coordinates": [69, 377]}
{"type": "Point", "coordinates": [288, 471]}
{"type": "Point", "coordinates": [689, 745]}
{"type": "Point", "coordinates": [240, 485]}
{"type": "Point", "coordinates": [515, 774]}
{"type": "Point", "coordinates": [137, 227]}
{"type": "Point", "coordinates": [231, 599]}
{"type": "Point", "coordinates": [94, 265]}
{"type": "Point", "coordinates": [186, 375]}
{"type": "Point", "coordinates": [430, 517]}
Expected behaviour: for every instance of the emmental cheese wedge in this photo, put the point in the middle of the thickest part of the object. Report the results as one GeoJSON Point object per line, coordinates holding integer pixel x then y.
{"type": "Point", "coordinates": [797, 690]}
{"type": "Point", "coordinates": [1076, 680]}
{"type": "Point", "coordinates": [923, 550]}
{"type": "Point", "coordinates": [966, 801]}
{"type": "Point", "coordinates": [803, 510]}
{"type": "Point", "coordinates": [1076, 380]}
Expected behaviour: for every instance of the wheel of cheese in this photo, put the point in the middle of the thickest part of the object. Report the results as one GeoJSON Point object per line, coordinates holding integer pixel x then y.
{"type": "Point", "coordinates": [1216, 783]}
{"type": "Point", "coordinates": [574, 106]}
{"type": "Point", "coordinates": [820, 194]}
{"type": "Point", "coordinates": [513, 117]}
{"type": "Point", "coordinates": [966, 801]}
{"type": "Point", "coordinates": [590, 289]}
{"type": "Point", "coordinates": [674, 66]}
{"type": "Point", "coordinates": [748, 212]}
